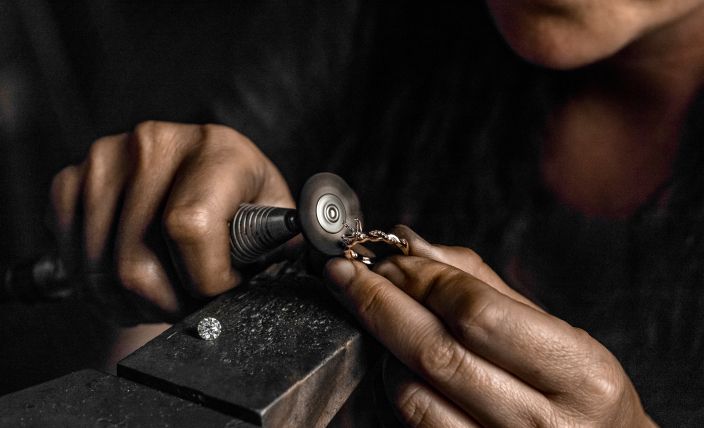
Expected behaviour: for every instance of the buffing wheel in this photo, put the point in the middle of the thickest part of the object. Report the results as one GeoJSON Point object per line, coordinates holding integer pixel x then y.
{"type": "Point", "coordinates": [326, 203]}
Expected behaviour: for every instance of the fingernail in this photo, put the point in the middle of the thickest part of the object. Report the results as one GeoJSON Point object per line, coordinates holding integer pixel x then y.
{"type": "Point", "coordinates": [417, 244]}
{"type": "Point", "coordinates": [339, 271]}
{"type": "Point", "coordinates": [390, 271]}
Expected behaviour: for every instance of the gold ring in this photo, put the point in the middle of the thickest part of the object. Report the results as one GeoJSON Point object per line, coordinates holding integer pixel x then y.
{"type": "Point", "coordinates": [356, 236]}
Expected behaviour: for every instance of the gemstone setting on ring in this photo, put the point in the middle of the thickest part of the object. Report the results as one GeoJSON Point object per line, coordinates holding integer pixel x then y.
{"type": "Point", "coordinates": [209, 328]}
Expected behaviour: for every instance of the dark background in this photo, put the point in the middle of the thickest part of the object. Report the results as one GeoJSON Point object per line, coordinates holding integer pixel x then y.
{"type": "Point", "coordinates": [421, 107]}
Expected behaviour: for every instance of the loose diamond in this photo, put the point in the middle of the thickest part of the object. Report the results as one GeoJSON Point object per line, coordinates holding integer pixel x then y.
{"type": "Point", "coordinates": [209, 328]}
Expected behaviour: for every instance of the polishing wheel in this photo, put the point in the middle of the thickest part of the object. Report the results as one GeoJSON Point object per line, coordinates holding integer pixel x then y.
{"type": "Point", "coordinates": [326, 204]}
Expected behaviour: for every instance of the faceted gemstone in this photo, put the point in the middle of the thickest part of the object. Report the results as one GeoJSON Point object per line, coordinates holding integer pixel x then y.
{"type": "Point", "coordinates": [209, 328]}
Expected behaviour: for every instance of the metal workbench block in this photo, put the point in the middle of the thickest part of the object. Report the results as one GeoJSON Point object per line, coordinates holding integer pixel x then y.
{"type": "Point", "coordinates": [93, 399]}
{"type": "Point", "coordinates": [288, 354]}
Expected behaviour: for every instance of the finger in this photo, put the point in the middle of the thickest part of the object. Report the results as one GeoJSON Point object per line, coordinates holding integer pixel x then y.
{"type": "Point", "coordinates": [462, 258]}
{"type": "Point", "coordinates": [106, 170]}
{"type": "Point", "coordinates": [416, 403]}
{"type": "Point", "coordinates": [205, 197]}
{"type": "Point", "coordinates": [65, 197]}
{"type": "Point", "coordinates": [542, 350]}
{"type": "Point", "coordinates": [138, 266]}
{"type": "Point", "coordinates": [420, 341]}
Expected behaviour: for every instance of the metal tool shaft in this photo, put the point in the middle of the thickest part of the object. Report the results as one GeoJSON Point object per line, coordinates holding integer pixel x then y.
{"type": "Point", "coordinates": [256, 230]}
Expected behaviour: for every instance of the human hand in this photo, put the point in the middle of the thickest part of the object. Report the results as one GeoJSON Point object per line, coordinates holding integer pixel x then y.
{"type": "Point", "coordinates": [152, 207]}
{"type": "Point", "coordinates": [473, 352]}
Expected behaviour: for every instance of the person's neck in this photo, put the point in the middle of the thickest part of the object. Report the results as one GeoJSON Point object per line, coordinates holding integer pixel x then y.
{"type": "Point", "coordinates": [664, 69]}
{"type": "Point", "coordinates": [613, 144]}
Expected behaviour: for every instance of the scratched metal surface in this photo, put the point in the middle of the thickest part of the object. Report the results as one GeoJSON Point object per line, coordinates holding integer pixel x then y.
{"type": "Point", "coordinates": [92, 399]}
{"type": "Point", "coordinates": [288, 355]}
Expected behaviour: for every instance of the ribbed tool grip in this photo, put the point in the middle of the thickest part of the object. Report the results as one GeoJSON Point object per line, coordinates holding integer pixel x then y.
{"type": "Point", "coordinates": [256, 230]}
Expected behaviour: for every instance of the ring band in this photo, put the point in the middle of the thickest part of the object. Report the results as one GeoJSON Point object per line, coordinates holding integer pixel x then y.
{"type": "Point", "coordinates": [357, 236]}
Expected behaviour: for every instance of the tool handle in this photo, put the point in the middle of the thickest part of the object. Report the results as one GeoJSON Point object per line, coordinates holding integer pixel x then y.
{"type": "Point", "coordinates": [256, 230]}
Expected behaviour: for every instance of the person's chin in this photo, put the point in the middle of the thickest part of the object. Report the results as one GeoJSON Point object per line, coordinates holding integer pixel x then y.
{"type": "Point", "coordinates": [561, 49]}
{"type": "Point", "coordinates": [561, 34]}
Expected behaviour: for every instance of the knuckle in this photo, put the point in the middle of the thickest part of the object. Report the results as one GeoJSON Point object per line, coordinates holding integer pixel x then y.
{"type": "Point", "coordinates": [426, 271]}
{"type": "Point", "coordinates": [441, 359]}
{"type": "Point", "coordinates": [96, 155]}
{"type": "Point", "coordinates": [582, 337]}
{"type": "Point", "coordinates": [95, 179]}
{"type": "Point", "coordinates": [413, 405]}
{"type": "Point", "coordinates": [65, 178]}
{"type": "Point", "coordinates": [187, 223]}
{"type": "Point", "coordinates": [142, 141]}
{"type": "Point", "coordinates": [63, 190]}
{"type": "Point", "coordinates": [446, 273]}
{"type": "Point", "coordinates": [150, 139]}
{"type": "Point", "coordinates": [100, 151]}
{"type": "Point", "coordinates": [471, 261]}
{"type": "Point", "coordinates": [478, 317]}
{"type": "Point", "coordinates": [149, 130]}
{"type": "Point", "coordinates": [96, 166]}
{"type": "Point", "coordinates": [469, 255]}
{"type": "Point", "coordinates": [136, 276]}
{"type": "Point", "coordinates": [604, 384]}
{"type": "Point", "coordinates": [602, 379]}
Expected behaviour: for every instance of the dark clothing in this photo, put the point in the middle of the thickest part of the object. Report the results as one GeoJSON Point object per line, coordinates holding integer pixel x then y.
{"type": "Point", "coordinates": [582, 271]}
{"type": "Point", "coordinates": [632, 284]}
